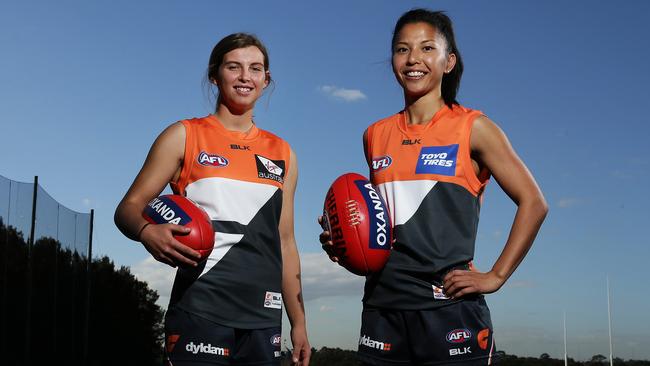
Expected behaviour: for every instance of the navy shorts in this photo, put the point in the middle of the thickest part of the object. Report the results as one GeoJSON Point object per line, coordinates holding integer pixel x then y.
{"type": "Point", "coordinates": [457, 334]}
{"type": "Point", "coordinates": [192, 340]}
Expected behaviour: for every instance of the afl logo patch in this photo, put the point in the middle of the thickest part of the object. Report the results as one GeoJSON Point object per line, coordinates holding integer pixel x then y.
{"type": "Point", "coordinates": [275, 340]}
{"type": "Point", "coordinates": [212, 160]}
{"type": "Point", "coordinates": [381, 163]}
{"type": "Point", "coordinates": [459, 336]}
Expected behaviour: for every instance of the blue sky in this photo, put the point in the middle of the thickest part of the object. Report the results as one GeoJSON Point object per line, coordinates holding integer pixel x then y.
{"type": "Point", "coordinates": [85, 87]}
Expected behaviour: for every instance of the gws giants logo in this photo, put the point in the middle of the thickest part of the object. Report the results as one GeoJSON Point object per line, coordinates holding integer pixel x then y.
{"type": "Point", "coordinates": [366, 341]}
{"type": "Point", "coordinates": [459, 336]}
{"type": "Point", "coordinates": [212, 160]}
{"type": "Point", "coordinates": [381, 163]}
{"type": "Point", "coordinates": [171, 342]}
{"type": "Point", "coordinates": [270, 169]}
{"type": "Point", "coordinates": [483, 337]}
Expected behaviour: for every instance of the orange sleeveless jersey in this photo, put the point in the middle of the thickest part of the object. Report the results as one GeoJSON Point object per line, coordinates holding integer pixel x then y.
{"type": "Point", "coordinates": [237, 178]}
{"type": "Point", "coordinates": [425, 174]}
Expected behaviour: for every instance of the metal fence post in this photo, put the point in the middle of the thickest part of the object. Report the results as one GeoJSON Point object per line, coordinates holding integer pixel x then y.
{"type": "Point", "coordinates": [89, 261]}
{"type": "Point", "coordinates": [28, 308]}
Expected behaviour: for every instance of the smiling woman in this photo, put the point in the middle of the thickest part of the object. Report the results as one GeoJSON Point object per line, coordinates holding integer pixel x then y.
{"type": "Point", "coordinates": [431, 163]}
{"type": "Point", "coordinates": [236, 54]}
{"type": "Point", "coordinates": [222, 312]}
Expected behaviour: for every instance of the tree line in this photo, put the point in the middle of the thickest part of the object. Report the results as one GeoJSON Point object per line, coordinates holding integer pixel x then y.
{"type": "Point", "coordinates": [43, 317]}
{"type": "Point", "coordinates": [123, 324]}
{"type": "Point", "coordinates": [338, 357]}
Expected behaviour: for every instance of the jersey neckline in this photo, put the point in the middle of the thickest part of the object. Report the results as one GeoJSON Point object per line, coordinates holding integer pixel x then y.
{"type": "Point", "coordinates": [251, 134]}
{"type": "Point", "coordinates": [417, 129]}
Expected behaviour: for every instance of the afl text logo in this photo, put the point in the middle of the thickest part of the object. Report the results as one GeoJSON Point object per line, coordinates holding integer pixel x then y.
{"type": "Point", "coordinates": [381, 163]}
{"type": "Point", "coordinates": [275, 340]}
{"type": "Point", "coordinates": [212, 160]}
{"type": "Point", "coordinates": [459, 336]}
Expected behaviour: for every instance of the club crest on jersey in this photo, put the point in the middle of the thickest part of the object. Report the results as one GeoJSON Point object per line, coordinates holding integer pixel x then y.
{"type": "Point", "coordinates": [270, 169]}
{"type": "Point", "coordinates": [212, 160]}
{"type": "Point", "coordinates": [437, 160]}
{"type": "Point", "coordinates": [381, 163]}
{"type": "Point", "coordinates": [379, 227]}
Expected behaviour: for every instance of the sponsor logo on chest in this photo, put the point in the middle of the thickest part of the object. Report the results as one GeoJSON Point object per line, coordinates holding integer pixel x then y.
{"type": "Point", "coordinates": [411, 142]}
{"type": "Point", "coordinates": [439, 160]}
{"type": "Point", "coordinates": [270, 169]}
{"type": "Point", "coordinates": [240, 147]}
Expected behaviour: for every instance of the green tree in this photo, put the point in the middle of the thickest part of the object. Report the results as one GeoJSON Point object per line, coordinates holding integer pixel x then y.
{"type": "Point", "coordinates": [124, 316]}
{"type": "Point", "coordinates": [124, 326]}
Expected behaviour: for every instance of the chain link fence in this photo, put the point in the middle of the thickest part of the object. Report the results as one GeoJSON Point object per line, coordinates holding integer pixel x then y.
{"type": "Point", "coordinates": [45, 250]}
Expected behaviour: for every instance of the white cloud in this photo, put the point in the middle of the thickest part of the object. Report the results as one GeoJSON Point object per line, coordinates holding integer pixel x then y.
{"type": "Point", "coordinates": [322, 277]}
{"type": "Point", "coordinates": [158, 276]}
{"type": "Point", "coordinates": [326, 308]}
{"type": "Point", "coordinates": [348, 95]}
{"type": "Point", "coordinates": [567, 202]}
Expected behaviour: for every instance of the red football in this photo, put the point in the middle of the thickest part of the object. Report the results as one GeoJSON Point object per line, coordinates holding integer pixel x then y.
{"type": "Point", "coordinates": [359, 224]}
{"type": "Point", "coordinates": [179, 210]}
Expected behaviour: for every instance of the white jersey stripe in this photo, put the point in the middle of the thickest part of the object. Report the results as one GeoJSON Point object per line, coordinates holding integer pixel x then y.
{"type": "Point", "coordinates": [222, 244]}
{"type": "Point", "coordinates": [409, 194]}
{"type": "Point", "coordinates": [227, 199]}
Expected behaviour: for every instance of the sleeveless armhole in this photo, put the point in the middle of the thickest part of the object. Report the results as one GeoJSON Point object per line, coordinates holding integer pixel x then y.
{"type": "Point", "coordinates": [178, 187]}
{"type": "Point", "coordinates": [287, 152]}
{"type": "Point", "coordinates": [368, 147]}
{"type": "Point", "coordinates": [476, 182]}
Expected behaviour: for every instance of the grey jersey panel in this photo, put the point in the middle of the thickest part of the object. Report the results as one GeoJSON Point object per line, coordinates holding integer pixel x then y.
{"type": "Point", "coordinates": [440, 236]}
{"type": "Point", "coordinates": [234, 292]}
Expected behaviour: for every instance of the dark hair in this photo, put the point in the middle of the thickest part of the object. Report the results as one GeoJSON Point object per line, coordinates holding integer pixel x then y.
{"type": "Point", "coordinates": [442, 23]}
{"type": "Point", "coordinates": [233, 42]}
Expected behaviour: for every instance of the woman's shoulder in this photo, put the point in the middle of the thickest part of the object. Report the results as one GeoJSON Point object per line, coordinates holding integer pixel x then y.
{"type": "Point", "coordinates": [387, 120]}
{"type": "Point", "coordinates": [194, 121]}
{"type": "Point", "coordinates": [266, 134]}
{"type": "Point", "coordinates": [460, 109]}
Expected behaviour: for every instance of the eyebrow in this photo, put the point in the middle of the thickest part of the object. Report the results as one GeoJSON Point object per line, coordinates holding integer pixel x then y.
{"type": "Point", "coordinates": [425, 41]}
{"type": "Point", "coordinates": [239, 63]}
